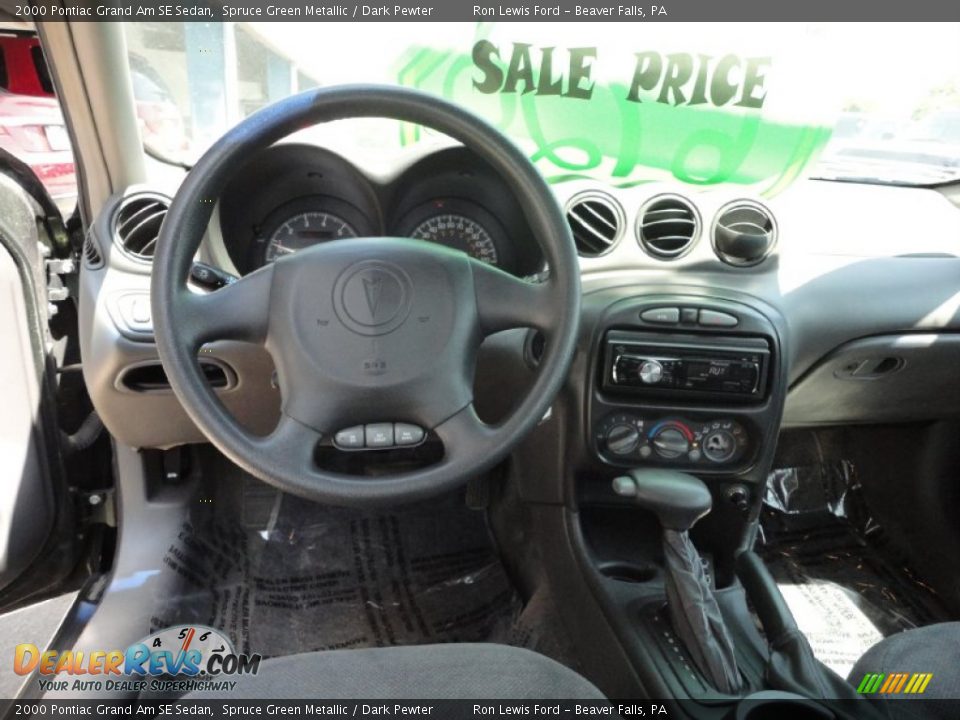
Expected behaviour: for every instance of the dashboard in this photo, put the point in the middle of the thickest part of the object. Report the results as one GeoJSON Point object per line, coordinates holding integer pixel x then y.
{"type": "Point", "coordinates": [295, 195]}
{"type": "Point", "coordinates": [836, 314]}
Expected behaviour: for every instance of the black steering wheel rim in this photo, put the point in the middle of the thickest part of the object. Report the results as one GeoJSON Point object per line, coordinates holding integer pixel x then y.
{"type": "Point", "coordinates": [175, 306]}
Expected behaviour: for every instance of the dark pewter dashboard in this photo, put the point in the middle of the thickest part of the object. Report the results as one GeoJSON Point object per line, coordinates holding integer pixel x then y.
{"type": "Point", "coordinates": [843, 307]}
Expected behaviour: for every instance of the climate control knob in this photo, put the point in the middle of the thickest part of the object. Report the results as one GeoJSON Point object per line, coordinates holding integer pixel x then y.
{"type": "Point", "coordinates": [670, 443]}
{"type": "Point", "coordinates": [622, 439]}
{"type": "Point", "coordinates": [719, 446]}
{"type": "Point", "coordinates": [651, 372]}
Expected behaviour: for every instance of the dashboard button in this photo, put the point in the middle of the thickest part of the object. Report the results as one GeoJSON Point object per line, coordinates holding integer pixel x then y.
{"type": "Point", "coordinates": [351, 437]}
{"type": "Point", "coordinates": [625, 486]}
{"type": "Point", "coordinates": [135, 311]}
{"type": "Point", "coordinates": [407, 434]}
{"type": "Point", "coordinates": [688, 316]}
{"type": "Point", "coordinates": [379, 435]}
{"type": "Point", "coordinates": [712, 318]}
{"type": "Point", "coordinates": [140, 310]}
{"type": "Point", "coordinates": [661, 315]}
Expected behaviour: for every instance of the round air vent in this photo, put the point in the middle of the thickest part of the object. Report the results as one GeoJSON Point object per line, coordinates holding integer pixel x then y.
{"type": "Point", "coordinates": [596, 221]}
{"type": "Point", "coordinates": [744, 232]}
{"type": "Point", "coordinates": [668, 226]}
{"type": "Point", "coordinates": [136, 225]}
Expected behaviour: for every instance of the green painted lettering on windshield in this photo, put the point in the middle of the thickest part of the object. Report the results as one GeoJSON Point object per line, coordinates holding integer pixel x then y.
{"type": "Point", "coordinates": [685, 116]}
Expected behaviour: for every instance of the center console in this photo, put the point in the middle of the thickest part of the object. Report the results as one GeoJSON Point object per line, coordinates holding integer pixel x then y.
{"type": "Point", "coordinates": [679, 385]}
{"type": "Point", "coordinates": [685, 383]}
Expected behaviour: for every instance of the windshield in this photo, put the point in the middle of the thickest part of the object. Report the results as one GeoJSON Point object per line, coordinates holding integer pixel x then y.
{"type": "Point", "coordinates": [746, 104]}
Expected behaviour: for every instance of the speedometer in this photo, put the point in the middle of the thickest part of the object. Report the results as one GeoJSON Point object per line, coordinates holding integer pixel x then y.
{"type": "Point", "coordinates": [458, 231]}
{"type": "Point", "coordinates": [306, 229]}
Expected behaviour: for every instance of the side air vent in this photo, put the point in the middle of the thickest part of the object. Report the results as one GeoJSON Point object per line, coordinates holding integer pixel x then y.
{"type": "Point", "coordinates": [744, 233]}
{"type": "Point", "coordinates": [668, 226]}
{"type": "Point", "coordinates": [137, 225]}
{"type": "Point", "coordinates": [91, 252]}
{"type": "Point", "coordinates": [596, 221]}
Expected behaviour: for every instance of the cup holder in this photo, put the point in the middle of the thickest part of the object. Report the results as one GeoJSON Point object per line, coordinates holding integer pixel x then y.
{"type": "Point", "coordinates": [627, 572]}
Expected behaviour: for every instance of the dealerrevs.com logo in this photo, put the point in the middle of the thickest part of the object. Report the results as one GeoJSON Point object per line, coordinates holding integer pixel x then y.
{"type": "Point", "coordinates": [182, 658]}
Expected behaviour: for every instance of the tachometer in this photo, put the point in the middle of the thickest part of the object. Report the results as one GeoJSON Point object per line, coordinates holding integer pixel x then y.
{"type": "Point", "coordinates": [458, 231]}
{"type": "Point", "coordinates": [306, 229]}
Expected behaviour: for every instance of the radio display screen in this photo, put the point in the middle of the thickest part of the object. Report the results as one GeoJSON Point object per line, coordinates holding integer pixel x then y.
{"type": "Point", "coordinates": [717, 375]}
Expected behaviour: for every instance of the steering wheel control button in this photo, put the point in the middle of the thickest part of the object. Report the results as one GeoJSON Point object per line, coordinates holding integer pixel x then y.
{"type": "Point", "coordinates": [662, 316]}
{"type": "Point", "coordinates": [713, 318]}
{"type": "Point", "coordinates": [688, 316]}
{"type": "Point", "coordinates": [372, 297]}
{"type": "Point", "coordinates": [351, 437]}
{"type": "Point", "coordinates": [407, 434]}
{"type": "Point", "coordinates": [379, 435]}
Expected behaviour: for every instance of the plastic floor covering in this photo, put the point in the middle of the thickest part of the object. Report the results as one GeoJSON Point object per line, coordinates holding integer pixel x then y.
{"type": "Point", "coordinates": [280, 575]}
{"type": "Point", "coordinates": [827, 549]}
{"type": "Point", "coordinates": [844, 582]}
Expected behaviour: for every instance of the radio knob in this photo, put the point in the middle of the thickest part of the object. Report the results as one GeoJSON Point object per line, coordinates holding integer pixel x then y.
{"type": "Point", "coordinates": [651, 372]}
{"type": "Point", "coordinates": [671, 443]}
{"type": "Point", "coordinates": [622, 439]}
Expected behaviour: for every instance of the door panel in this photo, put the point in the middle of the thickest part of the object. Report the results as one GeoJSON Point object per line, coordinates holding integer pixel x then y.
{"type": "Point", "coordinates": [27, 495]}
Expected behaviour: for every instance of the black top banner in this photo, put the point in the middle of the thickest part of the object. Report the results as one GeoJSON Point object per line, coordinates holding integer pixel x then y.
{"type": "Point", "coordinates": [485, 11]}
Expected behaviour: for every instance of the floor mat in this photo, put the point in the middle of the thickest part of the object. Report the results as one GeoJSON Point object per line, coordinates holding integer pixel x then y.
{"type": "Point", "coordinates": [281, 575]}
{"type": "Point", "coordinates": [844, 582]}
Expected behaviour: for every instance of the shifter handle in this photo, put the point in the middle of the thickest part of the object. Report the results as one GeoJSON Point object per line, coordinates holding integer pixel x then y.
{"type": "Point", "coordinates": [679, 500]}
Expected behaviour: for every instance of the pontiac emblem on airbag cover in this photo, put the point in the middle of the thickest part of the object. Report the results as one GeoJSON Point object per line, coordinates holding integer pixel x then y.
{"type": "Point", "coordinates": [372, 287]}
{"type": "Point", "coordinates": [372, 297]}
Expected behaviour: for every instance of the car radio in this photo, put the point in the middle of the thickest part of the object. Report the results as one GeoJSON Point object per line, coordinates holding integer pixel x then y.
{"type": "Point", "coordinates": [727, 368]}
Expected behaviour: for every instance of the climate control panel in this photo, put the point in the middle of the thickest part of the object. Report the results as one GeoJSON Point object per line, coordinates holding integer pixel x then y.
{"type": "Point", "coordinates": [634, 439]}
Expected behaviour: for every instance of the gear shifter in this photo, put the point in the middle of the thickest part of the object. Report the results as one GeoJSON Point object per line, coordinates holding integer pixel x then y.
{"type": "Point", "coordinates": [679, 500]}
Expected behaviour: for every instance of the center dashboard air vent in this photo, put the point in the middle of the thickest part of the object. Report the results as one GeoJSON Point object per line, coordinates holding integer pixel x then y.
{"type": "Point", "coordinates": [136, 225]}
{"type": "Point", "coordinates": [596, 221]}
{"type": "Point", "coordinates": [668, 226]}
{"type": "Point", "coordinates": [743, 233]}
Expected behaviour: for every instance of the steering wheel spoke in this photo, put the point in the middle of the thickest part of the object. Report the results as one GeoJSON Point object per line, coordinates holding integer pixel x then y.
{"type": "Point", "coordinates": [293, 443]}
{"type": "Point", "coordinates": [505, 301]}
{"type": "Point", "coordinates": [462, 430]}
{"type": "Point", "coordinates": [238, 311]}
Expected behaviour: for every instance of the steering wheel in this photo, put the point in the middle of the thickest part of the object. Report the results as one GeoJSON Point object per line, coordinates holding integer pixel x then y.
{"type": "Point", "coordinates": [365, 330]}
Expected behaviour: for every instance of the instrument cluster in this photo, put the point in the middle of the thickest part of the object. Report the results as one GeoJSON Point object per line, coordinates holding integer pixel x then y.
{"type": "Point", "coordinates": [294, 196]}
